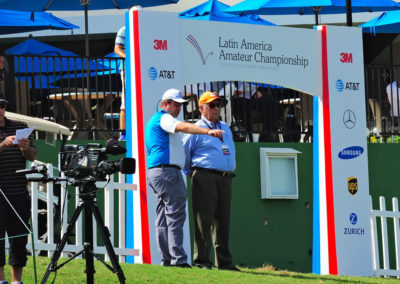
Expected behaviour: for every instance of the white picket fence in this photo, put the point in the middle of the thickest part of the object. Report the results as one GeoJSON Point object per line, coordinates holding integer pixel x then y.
{"type": "Point", "coordinates": [45, 193]}
{"type": "Point", "coordinates": [383, 250]}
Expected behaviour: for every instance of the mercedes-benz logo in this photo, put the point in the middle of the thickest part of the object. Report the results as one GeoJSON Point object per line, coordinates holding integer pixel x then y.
{"type": "Point", "coordinates": [349, 119]}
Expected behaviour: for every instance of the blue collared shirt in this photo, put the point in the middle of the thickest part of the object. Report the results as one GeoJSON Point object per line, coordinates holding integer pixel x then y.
{"type": "Point", "coordinates": [205, 151]}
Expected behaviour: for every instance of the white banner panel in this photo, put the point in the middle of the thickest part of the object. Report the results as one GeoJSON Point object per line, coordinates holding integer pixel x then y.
{"type": "Point", "coordinates": [217, 51]}
{"type": "Point", "coordinates": [349, 150]}
{"type": "Point", "coordinates": [160, 69]}
{"type": "Point", "coordinates": [174, 52]}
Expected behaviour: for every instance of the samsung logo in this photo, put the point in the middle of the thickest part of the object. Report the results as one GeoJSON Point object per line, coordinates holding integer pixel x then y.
{"type": "Point", "coordinates": [351, 152]}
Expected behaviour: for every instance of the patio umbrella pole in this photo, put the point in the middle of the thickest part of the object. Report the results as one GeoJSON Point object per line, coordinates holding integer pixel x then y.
{"type": "Point", "coordinates": [87, 46]}
{"type": "Point", "coordinates": [86, 31]}
{"type": "Point", "coordinates": [316, 17]}
{"type": "Point", "coordinates": [349, 19]}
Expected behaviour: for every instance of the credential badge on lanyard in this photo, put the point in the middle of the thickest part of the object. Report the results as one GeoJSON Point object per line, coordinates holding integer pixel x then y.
{"type": "Point", "coordinates": [225, 150]}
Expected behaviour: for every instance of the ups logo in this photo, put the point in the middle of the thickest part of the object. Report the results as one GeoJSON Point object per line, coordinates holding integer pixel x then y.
{"type": "Point", "coordinates": [352, 185]}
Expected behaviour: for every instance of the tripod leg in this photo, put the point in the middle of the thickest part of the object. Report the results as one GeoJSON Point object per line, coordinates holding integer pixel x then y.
{"type": "Point", "coordinates": [89, 244]}
{"type": "Point", "coordinates": [61, 244]}
{"type": "Point", "coordinates": [105, 234]}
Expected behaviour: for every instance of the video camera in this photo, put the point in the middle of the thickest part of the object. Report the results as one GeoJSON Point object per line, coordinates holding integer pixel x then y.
{"type": "Point", "coordinates": [90, 161]}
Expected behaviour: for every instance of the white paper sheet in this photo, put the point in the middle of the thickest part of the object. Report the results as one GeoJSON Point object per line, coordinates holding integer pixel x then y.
{"type": "Point", "coordinates": [22, 133]}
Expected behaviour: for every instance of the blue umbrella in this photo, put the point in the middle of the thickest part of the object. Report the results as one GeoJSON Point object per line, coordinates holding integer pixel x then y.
{"type": "Point", "coordinates": [310, 7]}
{"type": "Point", "coordinates": [102, 74]}
{"type": "Point", "coordinates": [212, 11]}
{"type": "Point", "coordinates": [18, 22]}
{"type": "Point", "coordinates": [36, 63]}
{"type": "Point", "coordinates": [387, 22]}
{"type": "Point", "coordinates": [75, 5]}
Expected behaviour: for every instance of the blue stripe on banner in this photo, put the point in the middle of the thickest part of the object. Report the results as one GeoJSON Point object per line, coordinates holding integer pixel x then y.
{"type": "Point", "coordinates": [128, 121]}
{"type": "Point", "coordinates": [316, 250]}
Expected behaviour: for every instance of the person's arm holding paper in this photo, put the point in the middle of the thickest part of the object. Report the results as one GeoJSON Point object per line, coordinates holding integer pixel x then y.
{"type": "Point", "coordinates": [8, 142]}
{"type": "Point", "coordinates": [24, 145]}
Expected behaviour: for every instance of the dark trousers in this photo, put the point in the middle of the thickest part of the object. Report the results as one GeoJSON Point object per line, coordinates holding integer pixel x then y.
{"type": "Point", "coordinates": [16, 231]}
{"type": "Point", "coordinates": [211, 202]}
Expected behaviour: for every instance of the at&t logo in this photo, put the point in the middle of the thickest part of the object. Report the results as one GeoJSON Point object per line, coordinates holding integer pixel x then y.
{"type": "Point", "coordinates": [339, 85]}
{"type": "Point", "coordinates": [348, 86]}
{"type": "Point", "coordinates": [162, 74]}
{"type": "Point", "coordinates": [152, 73]}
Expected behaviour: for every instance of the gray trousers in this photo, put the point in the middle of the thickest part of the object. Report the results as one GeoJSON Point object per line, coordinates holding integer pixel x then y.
{"type": "Point", "coordinates": [171, 193]}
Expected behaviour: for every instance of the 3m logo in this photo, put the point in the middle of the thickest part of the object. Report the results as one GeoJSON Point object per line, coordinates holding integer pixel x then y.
{"type": "Point", "coordinates": [346, 57]}
{"type": "Point", "coordinates": [160, 44]}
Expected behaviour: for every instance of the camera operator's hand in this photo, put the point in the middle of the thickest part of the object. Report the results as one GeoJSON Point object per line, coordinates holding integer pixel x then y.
{"type": "Point", "coordinates": [8, 142]}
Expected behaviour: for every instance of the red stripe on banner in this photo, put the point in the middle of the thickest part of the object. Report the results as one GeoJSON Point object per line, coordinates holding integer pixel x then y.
{"type": "Point", "coordinates": [328, 158]}
{"type": "Point", "coordinates": [140, 135]}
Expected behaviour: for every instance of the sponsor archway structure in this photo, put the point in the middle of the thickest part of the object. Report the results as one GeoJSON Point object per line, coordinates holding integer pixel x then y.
{"type": "Point", "coordinates": [164, 51]}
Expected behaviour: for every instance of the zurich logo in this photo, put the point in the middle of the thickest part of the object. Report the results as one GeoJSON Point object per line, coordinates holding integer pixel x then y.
{"type": "Point", "coordinates": [351, 152]}
{"type": "Point", "coordinates": [353, 218]}
{"type": "Point", "coordinates": [152, 73]}
{"type": "Point", "coordinates": [339, 85]}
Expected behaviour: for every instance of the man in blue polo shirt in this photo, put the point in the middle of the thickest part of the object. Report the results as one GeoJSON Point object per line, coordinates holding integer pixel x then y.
{"type": "Point", "coordinates": [165, 160]}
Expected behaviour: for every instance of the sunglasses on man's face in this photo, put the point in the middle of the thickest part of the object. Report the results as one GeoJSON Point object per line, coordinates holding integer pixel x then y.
{"type": "Point", "coordinates": [213, 105]}
{"type": "Point", "coordinates": [3, 105]}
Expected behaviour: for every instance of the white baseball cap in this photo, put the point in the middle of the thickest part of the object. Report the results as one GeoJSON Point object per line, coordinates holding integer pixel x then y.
{"type": "Point", "coordinates": [175, 95]}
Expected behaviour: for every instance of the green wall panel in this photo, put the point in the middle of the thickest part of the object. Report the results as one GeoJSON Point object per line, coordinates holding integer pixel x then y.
{"type": "Point", "coordinates": [271, 231]}
{"type": "Point", "coordinates": [279, 232]}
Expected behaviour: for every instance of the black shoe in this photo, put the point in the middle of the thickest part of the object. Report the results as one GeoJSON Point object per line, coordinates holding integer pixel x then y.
{"type": "Point", "coordinates": [182, 265]}
{"type": "Point", "coordinates": [202, 266]}
{"type": "Point", "coordinates": [231, 267]}
{"type": "Point", "coordinates": [166, 264]}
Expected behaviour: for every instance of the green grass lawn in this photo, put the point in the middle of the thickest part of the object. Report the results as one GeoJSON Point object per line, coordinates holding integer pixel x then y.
{"type": "Point", "coordinates": [73, 273]}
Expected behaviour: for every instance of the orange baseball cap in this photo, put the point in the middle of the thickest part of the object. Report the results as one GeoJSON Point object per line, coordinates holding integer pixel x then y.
{"type": "Point", "coordinates": [208, 97]}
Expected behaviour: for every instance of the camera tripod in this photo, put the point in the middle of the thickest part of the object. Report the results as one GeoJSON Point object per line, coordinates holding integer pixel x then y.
{"type": "Point", "coordinates": [87, 194]}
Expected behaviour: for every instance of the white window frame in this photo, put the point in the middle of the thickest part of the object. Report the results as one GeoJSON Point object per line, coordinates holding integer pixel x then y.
{"type": "Point", "coordinates": [265, 171]}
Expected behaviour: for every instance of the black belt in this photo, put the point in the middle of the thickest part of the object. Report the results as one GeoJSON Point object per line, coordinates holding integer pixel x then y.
{"type": "Point", "coordinates": [211, 171]}
{"type": "Point", "coordinates": [166, 166]}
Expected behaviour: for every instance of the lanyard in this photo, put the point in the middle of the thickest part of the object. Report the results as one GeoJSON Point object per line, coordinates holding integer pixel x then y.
{"type": "Point", "coordinates": [209, 126]}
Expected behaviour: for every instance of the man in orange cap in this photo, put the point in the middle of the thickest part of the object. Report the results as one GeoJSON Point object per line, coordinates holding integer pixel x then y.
{"type": "Point", "coordinates": [211, 161]}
